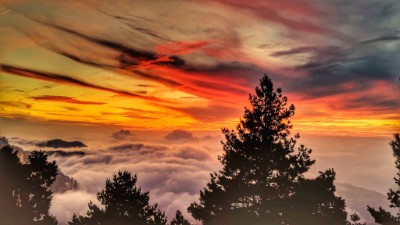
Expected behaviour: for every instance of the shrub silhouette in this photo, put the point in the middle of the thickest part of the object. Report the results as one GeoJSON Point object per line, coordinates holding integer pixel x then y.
{"type": "Point", "coordinates": [355, 220]}
{"type": "Point", "coordinates": [25, 188]}
{"type": "Point", "coordinates": [179, 219]}
{"type": "Point", "coordinates": [262, 180]}
{"type": "Point", "coordinates": [124, 204]}
{"type": "Point", "coordinates": [381, 216]}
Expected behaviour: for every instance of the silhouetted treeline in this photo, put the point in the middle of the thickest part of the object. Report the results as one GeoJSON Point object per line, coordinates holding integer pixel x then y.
{"type": "Point", "coordinates": [25, 193]}
{"type": "Point", "coordinates": [381, 216]}
{"type": "Point", "coordinates": [124, 204]}
{"type": "Point", "coordinates": [262, 182]}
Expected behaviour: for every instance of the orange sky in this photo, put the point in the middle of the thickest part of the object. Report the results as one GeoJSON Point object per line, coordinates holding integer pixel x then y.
{"type": "Point", "coordinates": [84, 70]}
{"type": "Point", "coordinates": [192, 64]}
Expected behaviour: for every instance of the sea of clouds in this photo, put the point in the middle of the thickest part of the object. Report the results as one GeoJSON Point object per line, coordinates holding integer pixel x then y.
{"type": "Point", "coordinates": [175, 166]}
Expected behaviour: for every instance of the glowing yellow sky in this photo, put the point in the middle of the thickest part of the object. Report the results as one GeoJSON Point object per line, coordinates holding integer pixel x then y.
{"type": "Point", "coordinates": [192, 67]}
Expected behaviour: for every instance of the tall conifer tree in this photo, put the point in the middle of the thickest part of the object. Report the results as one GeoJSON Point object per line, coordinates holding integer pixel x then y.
{"type": "Point", "coordinates": [262, 179]}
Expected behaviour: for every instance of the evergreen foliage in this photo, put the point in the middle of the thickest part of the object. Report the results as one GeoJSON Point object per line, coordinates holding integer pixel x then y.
{"type": "Point", "coordinates": [262, 180]}
{"type": "Point", "coordinates": [124, 203]}
{"type": "Point", "coordinates": [381, 216]}
{"type": "Point", "coordinates": [25, 189]}
{"type": "Point", "coordinates": [179, 219]}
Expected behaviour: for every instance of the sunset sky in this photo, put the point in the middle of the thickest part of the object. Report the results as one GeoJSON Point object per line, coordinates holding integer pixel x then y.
{"type": "Point", "coordinates": [77, 68]}
{"type": "Point", "coordinates": [192, 64]}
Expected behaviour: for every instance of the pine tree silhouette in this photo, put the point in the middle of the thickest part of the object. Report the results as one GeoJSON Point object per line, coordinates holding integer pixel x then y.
{"type": "Point", "coordinates": [124, 204]}
{"type": "Point", "coordinates": [381, 216]}
{"type": "Point", "coordinates": [262, 180]}
{"type": "Point", "coordinates": [25, 188]}
{"type": "Point", "coordinates": [355, 220]}
{"type": "Point", "coordinates": [42, 176]}
{"type": "Point", "coordinates": [179, 219]}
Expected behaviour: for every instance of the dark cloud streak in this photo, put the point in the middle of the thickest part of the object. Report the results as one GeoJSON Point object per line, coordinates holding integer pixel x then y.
{"type": "Point", "coordinates": [66, 100]}
{"type": "Point", "coordinates": [136, 54]}
{"type": "Point", "coordinates": [385, 38]}
{"type": "Point", "coordinates": [58, 78]}
{"type": "Point", "coordinates": [294, 51]}
{"type": "Point", "coordinates": [129, 59]}
{"type": "Point", "coordinates": [334, 65]}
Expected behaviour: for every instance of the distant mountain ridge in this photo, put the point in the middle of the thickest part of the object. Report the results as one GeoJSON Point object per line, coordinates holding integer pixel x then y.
{"type": "Point", "coordinates": [65, 154]}
{"type": "Point", "coordinates": [64, 183]}
{"type": "Point", "coordinates": [357, 199]}
{"type": "Point", "coordinates": [59, 143]}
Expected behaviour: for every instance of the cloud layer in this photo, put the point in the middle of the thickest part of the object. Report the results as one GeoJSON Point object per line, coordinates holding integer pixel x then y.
{"type": "Point", "coordinates": [174, 171]}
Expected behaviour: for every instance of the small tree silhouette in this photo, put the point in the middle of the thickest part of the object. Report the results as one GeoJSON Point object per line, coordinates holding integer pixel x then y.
{"type": "Point", "coordinates": [262, 180]}
{"type": "Point", "coordinates": [355, 220]}
{"type": "Point", "coordinates": [124, 204]}
{"type": "Point", "coordinates": [25, 188]}
{"type": "Point", "coordinates": [381, 216]}
{"type": "Point", "coordinates": [179, 219]}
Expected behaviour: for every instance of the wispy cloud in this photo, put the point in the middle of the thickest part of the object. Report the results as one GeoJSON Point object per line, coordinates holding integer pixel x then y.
{"type": "Point", "coordinates": [65, 99]}
{"type": "Point", "coordinates": [59, 78]}
{"type": "Point", "coordinates": [201, 59]}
